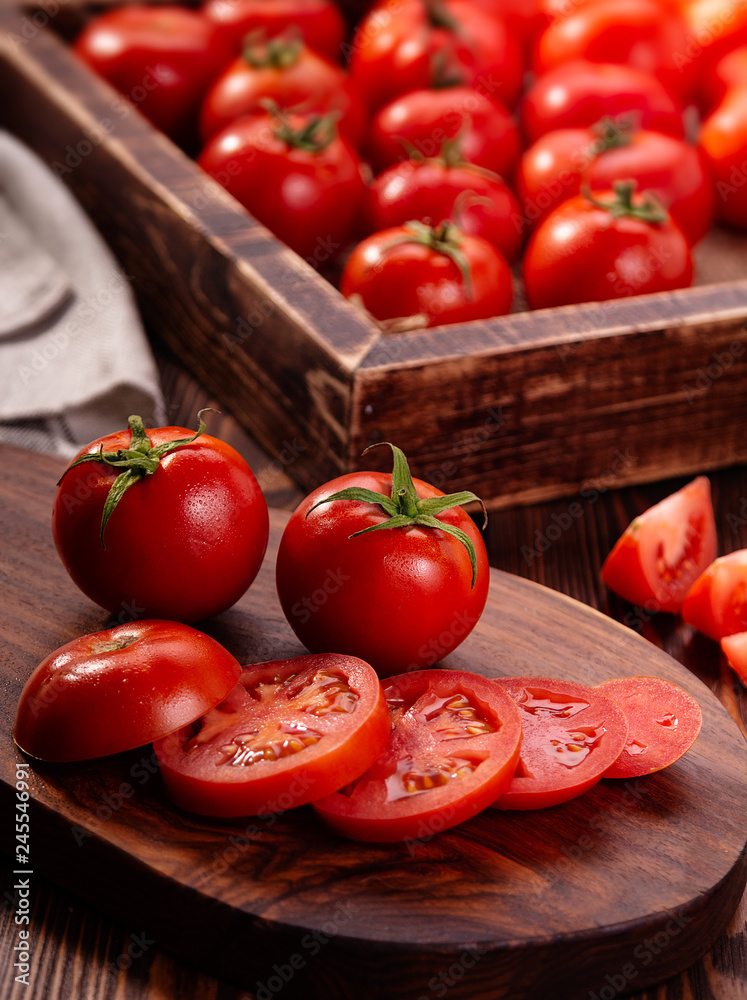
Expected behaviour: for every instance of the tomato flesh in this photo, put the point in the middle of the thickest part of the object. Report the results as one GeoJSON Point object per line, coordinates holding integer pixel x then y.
{"type": "Point", "coordinates": [734, 648]}
{"type": "Point", "coordinates": [289, 732]}
{"type": "Point", "coordinates": [453, 748]}
{"type": "Point", "coordinates": [716, 604]}
{"type": "Point", "coordinates": [663, 723]}
{"type": "Point", "coordinates": [571, 735]}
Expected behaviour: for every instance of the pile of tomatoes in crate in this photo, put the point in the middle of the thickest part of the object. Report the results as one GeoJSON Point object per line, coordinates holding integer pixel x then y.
{"type": "Point", "coordinates": [436, 156]}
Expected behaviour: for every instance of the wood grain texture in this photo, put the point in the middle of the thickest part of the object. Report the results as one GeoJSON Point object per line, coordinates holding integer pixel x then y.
{"type": "Point", "coordinates": [545, 903]}
{"type": "Point", "coordinates": [270, 336]}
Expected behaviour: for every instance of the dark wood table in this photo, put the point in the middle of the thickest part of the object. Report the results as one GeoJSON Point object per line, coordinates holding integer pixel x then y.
{"type": "Point", "coordinates": [80, 954]}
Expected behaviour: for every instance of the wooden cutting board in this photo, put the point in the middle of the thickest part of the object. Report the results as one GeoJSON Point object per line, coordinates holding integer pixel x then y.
{"type": "Point", "coordinates": [624, 886]}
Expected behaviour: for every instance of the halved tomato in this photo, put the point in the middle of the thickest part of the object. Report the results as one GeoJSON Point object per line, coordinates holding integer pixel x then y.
{"type": "Point", "coordinates": [290, 731]}
{"type": "Point", "coordinates": [734, 648]}
{"type": "Point", "coordinates": [453, 749]}
{"type": "Point", "coordinates": [664, 550]}
{"type": "Point", "coordinates": [716, 604]}
{"type": "Point", "coordinates": [663, 723]}
{"type": "Point", "coordinates": [572, 734]}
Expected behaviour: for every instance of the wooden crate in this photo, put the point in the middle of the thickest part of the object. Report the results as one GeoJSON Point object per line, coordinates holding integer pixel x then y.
{"type": "Point", "coordinates": [520, 408]}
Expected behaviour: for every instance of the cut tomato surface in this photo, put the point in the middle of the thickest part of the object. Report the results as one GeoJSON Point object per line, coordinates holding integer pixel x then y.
{"type": "Point", "coordinates": [734, 648]}
{"type": "Point", "coordinates": [289, 732]}
{"type": "Point", "coordinates": [572, 734]}
{"type": "Point", "coordinates": [663, 723]}
{"type": "Point", "coordinates": [453, 749]}
{"type": "Point", "coordinates": [663, 551]}
{"type": "Point", "coordinates": [716, 604]}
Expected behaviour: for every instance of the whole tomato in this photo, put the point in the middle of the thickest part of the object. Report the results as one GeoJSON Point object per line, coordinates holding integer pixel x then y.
{"type": "Point", "coordinates": [418, 275]}
{"type": "Point", "coordinates": [319, 22]}
{"type": "Point", "coordinates": [163, 59]}
{"type": "Point", "coordinates": [404, 45]}
{"type": "Point", "coordinates": [723, 140]}
{"type": "Point", "coordinates": [716, 27]}
{"type": "Point", "coordinates": [295, 174]}
{"type": "Point", "coordinates": [557, 164]}
{"type": "Point", "coordinates": [729, 73]}
{"type": "Point", "coordinates": [383, 567]}
{"type": "Point", "coordinates": [580, 93]}
{"type": "Point", "coordinates": [422, 121]}
{"type": "Point", "coordinates": [286, 72]}
{"type": "Point", "coordinates": [445, 188]}
{"type": "Point", "coordinates": [605, 245]}
{"type": "Point", "coordinates": [162, 523]}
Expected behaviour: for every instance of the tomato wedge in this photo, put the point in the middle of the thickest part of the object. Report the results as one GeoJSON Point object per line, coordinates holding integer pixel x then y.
{"type": "Point", "coordinates": [119, 689]}
{"type": "Point", "coordinates": [663, 723]}
{"type": "Point", "coordinates": [716, 604]}
{"type": "Point", "coordinates": [663, 551]}
{"type": "Point", "coordinates": [572, 734]}
{"type": "Point", "coordinates": [289, 732]}
{"type": "Point", "coordinates": [453, 748]}
{"type": "Point", "coordinates": [734, 648]}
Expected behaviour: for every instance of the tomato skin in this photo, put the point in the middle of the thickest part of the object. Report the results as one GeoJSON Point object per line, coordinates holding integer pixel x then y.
{"type": "Point", "coordinates": [311, 82]}
{"type": "Point", "coordinates": [162, 58]}
{"type": "Point", "coordinates": [396, 279]}
{"type": "Point", "coordinates": [380, 808]}
{"type": "Point", "coordinates": [663, 723]}
{"type": "Point", "coordinates": [334, 702]}
{"type": "Point", "coordinates": [397, 48]}
{"type": "Point", "coordinates": [729, 73]}
{"type": "Point", "coordinates": [557, 164]}
{"type": "Point", "coordinates": [308, 199]}
{"type": "Point", "coordinates": [716, 604]}
{"type": "Point", "coordinates": [677, 534]}
{"type": "Point", "coordinates": [716, 27]}
{"type": "Point", "coordinates": [398, 598]}
{"type": "Point", "coordinates": [723, 140]}
{"type": "Point", "coordinates": [556, 717]}
{"type": "Point", "coordinates": [119, 689]}
{"type": "Point", "coordinates": [580, 93]}
{"type": "Point", "coordinates": [183, 543]}
{"type": "Point", "coordinates": [423, 120]}
{"type": "Point", "coordinates": [734, 648]}
{"type": "Point", "coordinates": [580, 253]}
{"type": "Point", "coordinates": [319, 22]}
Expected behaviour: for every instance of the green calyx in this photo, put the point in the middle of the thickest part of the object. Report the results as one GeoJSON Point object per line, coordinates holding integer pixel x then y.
{"type": "Point", "coordinates": [649, 209]}
{"type": "Point", "coordinates": [313, 136]}
{"type": "Point", "coordinates": [280, 52]}
{"type": "Point", "coordinates": [139, 460]}
{"type": "Point", "coordinates": [610, 134]}
{"type": "Point", "coordinates": [445, 238]}
{"type": "Point", "coordinates": [405, 509]}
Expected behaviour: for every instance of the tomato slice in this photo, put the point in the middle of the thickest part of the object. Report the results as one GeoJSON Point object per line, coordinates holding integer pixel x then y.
{"type": "Point", "coordinates": [734, 648]}
{"type": "Point", "coordinates": [289, 732]}
{"type": "Point", "coordinates": [572, 734]}
{"type": "Point", "coordinates": [663, 551]}
{"type": "Point", "coordinates": [119, 689]}
{"type": "Point", "coordinates": [663, 723]}
{"type": "Point", "coordinates": [453, 748]}
{"type": "Point", "coordinates": [716, 604]}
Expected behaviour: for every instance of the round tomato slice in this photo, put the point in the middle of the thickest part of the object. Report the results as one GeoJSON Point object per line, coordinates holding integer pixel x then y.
{"type": "Point", "coordinates": [453, 748]}
{"type": "Point", "coordinates": [290, 731]}
{"type": "Point", "coordinates": [716, 604]}
{"type": "Point", "coordinates": [663, 723]}
{"type": "Point", "coordinates": [664, 550]}
{"type": "Point", "coordinates": [119, 689]}
{"type": "Point", "coordinates": [734, 648]}
{"type": "Point", "coordinates": [572, 735]}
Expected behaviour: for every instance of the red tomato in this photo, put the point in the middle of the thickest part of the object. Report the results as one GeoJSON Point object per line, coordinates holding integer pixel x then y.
{"type": "Point", "coordinates": [403, 593]}
{"type": "Point", "coordinates": [291, 731]}
{"type": "Point", "coordinates": [716, 27]}
{"type": "Point", "coordinates": [557, 164]}
{"type": "Point", "coordinates": [734, 648]}
{"type": "Point", "coordinates": [716, 604]}
{"type": "Point", "coordinates": [423, 122]}
{"type": "Point", "coordinates": [729, 73]}
{"type": "Point", "coordinates": [430, 190]}
{"type": "Point", "coordinates": [287, 73]}
{"type": "Point", "coordinates": [723, 140]}
{"type": "Point", "coordinates": [664, 550]}
{"type": "Point", "coordinates": [571, 735]}
{"type": "Point", "coordinates": [427, 276]}
{"type": "Point", "coordinates": [605, 246]}
{"type": "Point", "coordinates": [162, 58]}
{"type": "Point", "coordinates": [663, 723]}
{"type": "Point", "coordinates": [116, 690]}
{"type": "Point", "coordinates": [295, 174]}
{"type": "Point", "coordinates": [638, 33]}
{"type": "Point", "coordinates": [185, 539]}
{"type": "Point", "coordinates": [319, 22]}
{"type": "Point", "coordinates": [523, 18]}
{"type": "Point", "coordinates": [580, 93]}
{"type": "Point", "coordinates": [453, 748]}
{"type": "Point", "coordinates": [404, 45]}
